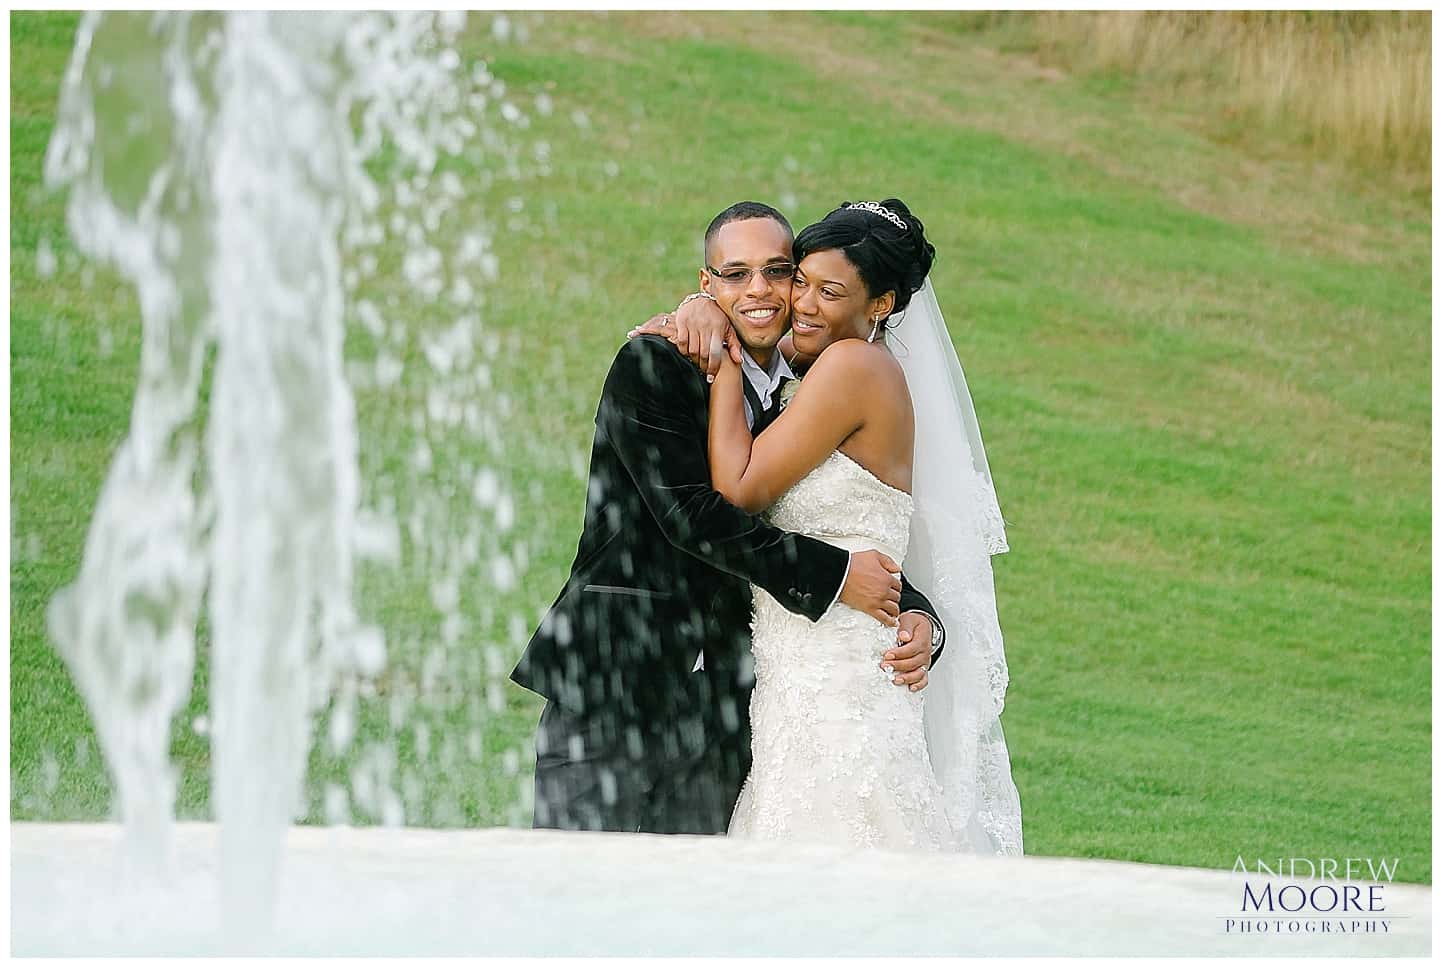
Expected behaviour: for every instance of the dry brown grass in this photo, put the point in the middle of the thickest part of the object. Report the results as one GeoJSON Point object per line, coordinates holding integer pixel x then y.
{"type": "Point", "coordinates": [1356, 85]}
{"type": "Point", "coordinates": [988, 76]}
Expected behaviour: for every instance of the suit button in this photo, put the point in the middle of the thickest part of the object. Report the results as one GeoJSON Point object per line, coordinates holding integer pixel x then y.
{"type": "Point", "coordinates": [806, 597]}
{"type": "Point", "coordinates": [792, 592]}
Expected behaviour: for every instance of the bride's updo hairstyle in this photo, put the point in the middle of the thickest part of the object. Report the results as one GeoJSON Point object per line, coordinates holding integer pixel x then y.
{"type": "Point", "coordinates": [885, 242]}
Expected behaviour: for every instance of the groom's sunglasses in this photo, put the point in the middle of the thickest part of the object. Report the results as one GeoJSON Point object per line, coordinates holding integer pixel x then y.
{"type": "Point", "coordinates": [741, 275]}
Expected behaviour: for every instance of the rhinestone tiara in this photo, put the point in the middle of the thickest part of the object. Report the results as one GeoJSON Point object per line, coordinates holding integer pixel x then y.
{"type": "Point", "coordinates": [885, 213]}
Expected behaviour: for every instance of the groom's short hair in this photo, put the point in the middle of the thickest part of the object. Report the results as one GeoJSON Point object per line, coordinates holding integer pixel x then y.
{"type": "Point", "coordinates": [740, 212]}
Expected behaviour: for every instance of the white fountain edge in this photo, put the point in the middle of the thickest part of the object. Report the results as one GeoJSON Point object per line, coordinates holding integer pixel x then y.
{"type": "Point", "coordinates": [343, 835]}
{"type": "Point", "coordinates": [432, 880]}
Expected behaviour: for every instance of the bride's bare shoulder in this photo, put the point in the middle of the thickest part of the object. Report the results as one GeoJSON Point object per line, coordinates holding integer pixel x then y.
{"type": "Point", "coordinates": [857, 358]}
{"type": "Point", "coordinates": [860, 365]}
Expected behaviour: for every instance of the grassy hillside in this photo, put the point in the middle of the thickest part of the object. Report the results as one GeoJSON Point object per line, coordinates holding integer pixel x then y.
{"type": "Point", "coordinates": [1202, 366]}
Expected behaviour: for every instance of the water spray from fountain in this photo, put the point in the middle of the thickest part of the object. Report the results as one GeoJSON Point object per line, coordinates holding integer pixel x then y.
{"type": "Point", "coordinates": [223, 163]}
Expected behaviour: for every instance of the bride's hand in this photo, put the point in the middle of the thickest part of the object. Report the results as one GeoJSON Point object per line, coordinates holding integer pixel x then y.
{"type": "Point", "coordinates": [910, 660]}
{"type": "Point", "coordinates": [700, 331]}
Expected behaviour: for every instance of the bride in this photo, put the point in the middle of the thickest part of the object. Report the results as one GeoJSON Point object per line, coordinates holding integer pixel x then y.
{"type": "Point", "coordinates": [877, 448]}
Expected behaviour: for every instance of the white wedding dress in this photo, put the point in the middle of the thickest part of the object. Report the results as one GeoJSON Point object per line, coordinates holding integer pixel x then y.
{"type": "Point", "coordinates": [839, 752]}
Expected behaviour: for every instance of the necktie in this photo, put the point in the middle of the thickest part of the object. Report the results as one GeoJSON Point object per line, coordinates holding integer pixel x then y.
{"type": "Point", "coordinates": [768, 416]}
{"type": "Point", "coordinates": [758, 413]}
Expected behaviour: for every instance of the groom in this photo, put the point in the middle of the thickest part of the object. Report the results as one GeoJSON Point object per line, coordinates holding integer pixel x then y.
{"type": "Point", "coordinates": [644, 657]}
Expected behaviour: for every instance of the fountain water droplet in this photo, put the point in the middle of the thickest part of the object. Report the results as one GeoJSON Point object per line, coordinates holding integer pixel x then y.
{"type": "Point", "coordinates": [45, 261]}
{"type": "Point", "coordinates": [505, 513]}
{"type": "Point", "coordinates": [49, 774]}
{"type": "Point", "coordinates": [503, 573]}
{"type": "Point", "coordinates": [487, 488]}
{"type": "Point", "coordinates": [337, 805]}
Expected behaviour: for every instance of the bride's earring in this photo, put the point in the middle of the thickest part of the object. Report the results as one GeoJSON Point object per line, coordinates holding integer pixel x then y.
{"type": "Point", "coordinates": [875, 329]}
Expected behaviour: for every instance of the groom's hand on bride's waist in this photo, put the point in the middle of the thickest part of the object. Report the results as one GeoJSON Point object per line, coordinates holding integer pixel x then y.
{"type": "Point", "coordinates": [873, 586]}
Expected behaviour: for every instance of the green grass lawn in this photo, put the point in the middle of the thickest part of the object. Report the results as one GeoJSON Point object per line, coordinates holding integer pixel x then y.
{"type": "Point", "coordinates": [1202, 369]}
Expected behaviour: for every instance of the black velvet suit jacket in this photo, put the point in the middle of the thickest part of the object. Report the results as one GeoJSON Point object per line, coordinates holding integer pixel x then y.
{"type": "Point", "coordinates": [662, 568]}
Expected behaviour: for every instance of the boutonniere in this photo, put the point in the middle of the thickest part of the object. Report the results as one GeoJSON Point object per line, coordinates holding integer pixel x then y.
{"type": "Point", "coordinates": [788, 390]}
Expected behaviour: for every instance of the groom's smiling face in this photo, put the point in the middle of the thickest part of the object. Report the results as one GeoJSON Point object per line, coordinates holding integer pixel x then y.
{"type": "Point", "coordinates": [760, 308]}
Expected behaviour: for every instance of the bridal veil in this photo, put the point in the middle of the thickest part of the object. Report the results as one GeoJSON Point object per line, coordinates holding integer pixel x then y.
{"type": "Point", "coordinates": [956, 528]}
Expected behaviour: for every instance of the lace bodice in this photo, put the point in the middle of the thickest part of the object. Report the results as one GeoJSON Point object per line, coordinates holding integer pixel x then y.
{"type": "Point", "coordinates": [840, 499]}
